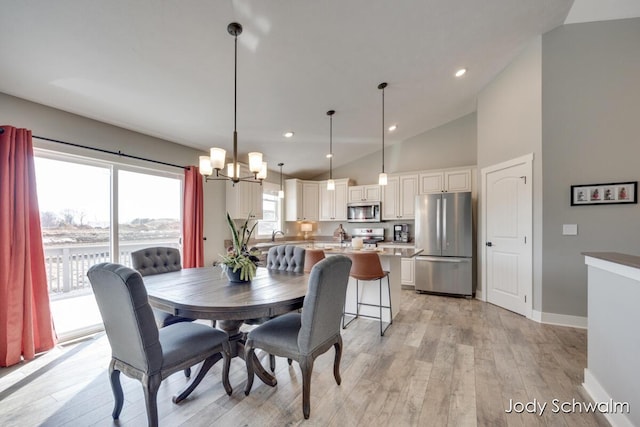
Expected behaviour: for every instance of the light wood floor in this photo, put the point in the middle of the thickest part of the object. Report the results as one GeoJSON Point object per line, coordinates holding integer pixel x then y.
{"type": "Point", "coordinates": [444, 362]}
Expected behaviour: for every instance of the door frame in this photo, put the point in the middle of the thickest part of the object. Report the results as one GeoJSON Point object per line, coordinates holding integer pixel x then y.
{"type": "Point", "coordinates": [527, 159]}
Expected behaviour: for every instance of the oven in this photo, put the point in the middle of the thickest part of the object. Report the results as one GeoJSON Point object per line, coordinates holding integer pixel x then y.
{"type": "Point", "coordinates": [370, 236]}
{"type": "Point", "coordinates": [363, 212]}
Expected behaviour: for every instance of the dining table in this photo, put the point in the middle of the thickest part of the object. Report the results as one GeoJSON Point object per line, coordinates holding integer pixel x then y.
{"type": "Point", "coordinates": [206, 293]}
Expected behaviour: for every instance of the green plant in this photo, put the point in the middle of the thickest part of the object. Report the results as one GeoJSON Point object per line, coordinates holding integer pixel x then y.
{"type": "Point", "coordinates": [238, 257]}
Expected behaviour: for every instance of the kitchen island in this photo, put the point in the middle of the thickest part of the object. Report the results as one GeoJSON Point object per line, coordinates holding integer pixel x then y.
{"type": "Point", "coordinates": [390, 258]}
{"type": "Point", "coordinates": [612, 375]}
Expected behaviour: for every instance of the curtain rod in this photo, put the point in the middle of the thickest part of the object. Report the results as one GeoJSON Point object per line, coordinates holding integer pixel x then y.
{"type": "Point", "coordinates": [115, 153]}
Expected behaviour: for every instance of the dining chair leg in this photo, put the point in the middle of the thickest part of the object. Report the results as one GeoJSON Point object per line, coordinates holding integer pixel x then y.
{"type": "Point", "coordinates": [150, 386]}
{"type": "Point", "coordinates": [306, 366]}
{"type": "Point", "coordinates": [116, 387]}
{"type": "Point", "coordinates": [249, 352]}
{"type": "Point", "coordinates": [336, 360]}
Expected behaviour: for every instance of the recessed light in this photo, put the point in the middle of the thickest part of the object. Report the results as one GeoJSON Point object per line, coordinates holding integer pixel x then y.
{"type": "Point", "coordinates": [329, 156]}
{"type": "Point", "coordinates": [288, 134]}
{"type": "Point", "coordinates": [392, 128]}
{"type": "Point", "coordinates": [461, 72]}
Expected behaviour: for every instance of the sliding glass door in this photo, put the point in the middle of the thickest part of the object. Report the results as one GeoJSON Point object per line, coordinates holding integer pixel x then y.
{"type": "Point", "coordinates": [149, 212]}
{"type": "Point", "coordinates": [94, 211]}
{"type": "Point", "coordinates": [74, 201]}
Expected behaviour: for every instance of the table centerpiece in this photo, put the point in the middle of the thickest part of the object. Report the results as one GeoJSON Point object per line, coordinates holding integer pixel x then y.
{"type": "Point", "coordinates": [239, 262]}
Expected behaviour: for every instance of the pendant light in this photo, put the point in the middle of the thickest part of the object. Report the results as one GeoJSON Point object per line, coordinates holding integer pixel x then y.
{"type": "Point", "coordinates": [281, 192]}
{"type": "Point", "coordinates": [217, 157]}
{"type": "Point", "coordinates": [331, 184]}
{"type": "Point", "coordinates": [382, 178]}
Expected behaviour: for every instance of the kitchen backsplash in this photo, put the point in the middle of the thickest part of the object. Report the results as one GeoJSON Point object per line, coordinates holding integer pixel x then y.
{"type": "Point", "coordinates": [326, 228]}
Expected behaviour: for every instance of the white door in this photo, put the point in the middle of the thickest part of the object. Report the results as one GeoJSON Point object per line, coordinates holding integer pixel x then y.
{"type": "Point", "coordinates": [507, 201]}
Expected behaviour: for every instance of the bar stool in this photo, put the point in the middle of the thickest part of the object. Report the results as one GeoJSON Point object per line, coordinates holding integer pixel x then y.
{"type": "Point", "coordinates": [366, 267]}
{"type": "Point", "coordinates": [311, 257]}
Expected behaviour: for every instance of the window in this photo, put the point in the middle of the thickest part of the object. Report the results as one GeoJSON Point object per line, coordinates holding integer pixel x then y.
{"type": "Point", "coordinates": [149, 212]}
{"type": "Point", "coordinates": [79, 226]}
{"type": "Point", "coordinates": [271, 211]}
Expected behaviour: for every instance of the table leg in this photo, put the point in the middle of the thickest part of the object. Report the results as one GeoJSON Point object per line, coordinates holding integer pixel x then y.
{"type": "Point", "coordinates": [237, 340]}
{"type": "Point", "coordinates": [195, 380]}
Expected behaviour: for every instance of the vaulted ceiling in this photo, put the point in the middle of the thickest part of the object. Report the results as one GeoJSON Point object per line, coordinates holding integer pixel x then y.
{"type": "Point", "coordinates": [165, 68]}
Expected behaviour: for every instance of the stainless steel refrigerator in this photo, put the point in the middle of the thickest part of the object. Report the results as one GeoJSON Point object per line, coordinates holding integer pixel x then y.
{"type": "Point", "coordinates": [443, 229]}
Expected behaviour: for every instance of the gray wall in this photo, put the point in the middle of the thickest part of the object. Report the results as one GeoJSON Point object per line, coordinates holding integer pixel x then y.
{"type": "Point", "coordinates": [56, 124]}
{"type": "Point", "coordinates": [450, 145]}
{"type": "Point", "coordinates": [509, 126]}
{"type": "Point", "coordinates": [591, 131]}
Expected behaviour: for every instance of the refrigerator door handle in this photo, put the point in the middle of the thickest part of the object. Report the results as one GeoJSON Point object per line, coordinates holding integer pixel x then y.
{"type": "Point", "coordinates": [438, 228]}
{"type": "Point", "coordinates": [444, 224]}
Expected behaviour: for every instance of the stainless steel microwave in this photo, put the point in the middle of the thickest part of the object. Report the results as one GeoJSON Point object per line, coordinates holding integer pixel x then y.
{"type": "Point", "coordinates": [363, 212]}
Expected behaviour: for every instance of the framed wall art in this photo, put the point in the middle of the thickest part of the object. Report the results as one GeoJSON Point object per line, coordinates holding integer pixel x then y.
{"type": "Point", "coordinates": [604, 194]}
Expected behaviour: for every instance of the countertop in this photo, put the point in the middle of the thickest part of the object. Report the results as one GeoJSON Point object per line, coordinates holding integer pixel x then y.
{"type": "Point", "coordinates": [616, 257]}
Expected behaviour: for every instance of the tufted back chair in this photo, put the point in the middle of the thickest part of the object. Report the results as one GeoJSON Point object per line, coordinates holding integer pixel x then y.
{"type": "Point", "coordinates": [156, 260]}
{"type": "Point", "coordinates": [139, 349]}
{"type": "Point", "coordinates": [159, 260]}
{"type": "Point", "coordinates": [286, 258]}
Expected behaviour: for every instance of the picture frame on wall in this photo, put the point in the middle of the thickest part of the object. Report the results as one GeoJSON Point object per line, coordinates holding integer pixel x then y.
{"type": "Point", "coordinates": [614, 193]}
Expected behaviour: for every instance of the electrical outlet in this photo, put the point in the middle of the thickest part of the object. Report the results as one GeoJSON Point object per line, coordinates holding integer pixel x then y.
{"type": "Point", "coordinates": [569, 229]}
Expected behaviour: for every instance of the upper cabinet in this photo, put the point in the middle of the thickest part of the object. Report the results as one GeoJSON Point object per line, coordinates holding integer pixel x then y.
{"type": "Point", "coordinates": [364, 193]}
{"type": "Point", "coordinates": [333, 204]}
{"type": "Point", "coordinates": [301, 200]}
{"type": "Point", "coordinates": [244, 199]}
{"type": "Point", "coordinates": [453, 181]}
{"type": "Point", "coordinates": [398, 197]}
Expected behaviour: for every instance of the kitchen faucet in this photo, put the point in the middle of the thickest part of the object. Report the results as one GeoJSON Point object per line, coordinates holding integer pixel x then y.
{"type": "Point", "coordinates": [274, 234]}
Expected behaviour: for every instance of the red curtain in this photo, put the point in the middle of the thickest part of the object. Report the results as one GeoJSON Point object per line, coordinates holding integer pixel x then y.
{"type": "Point", "coordinates": [26, 327]}
{"type": "Point", "coordinates": [192, 232]}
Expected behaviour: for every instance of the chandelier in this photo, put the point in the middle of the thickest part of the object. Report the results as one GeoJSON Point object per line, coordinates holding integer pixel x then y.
{"type": "Point", "coordinates": [216, 159]}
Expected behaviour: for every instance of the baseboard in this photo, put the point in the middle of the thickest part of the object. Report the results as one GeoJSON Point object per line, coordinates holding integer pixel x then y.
{"type": "Point", "coordinates": [559, 319]}
{"type": "Point", "coordinates": [598, 394]}
{"type": "Point", "coordinates": [536, 315]}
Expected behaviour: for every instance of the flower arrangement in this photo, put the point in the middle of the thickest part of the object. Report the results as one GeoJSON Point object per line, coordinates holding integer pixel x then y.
{"type": "Point", "coordinates": [238, 257]}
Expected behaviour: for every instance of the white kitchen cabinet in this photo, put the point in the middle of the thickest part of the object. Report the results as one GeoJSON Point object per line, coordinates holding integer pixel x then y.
{"type": "Point", "coordinates": [244, 199]}
{"type": "Point", "coordinates": [445, 181]}
{"type": "Point", "coordinates": [408, 272]}
{"type": "Point", "coordinates": [398, 197]}
{"type": "Point", "coordinates": [301, 200]}
{"type": "Point", "coordinates": [333, 204]}
{"type": "Point", "coordinates": [364, 193]}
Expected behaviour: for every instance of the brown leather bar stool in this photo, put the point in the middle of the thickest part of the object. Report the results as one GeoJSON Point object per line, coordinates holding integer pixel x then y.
{"type": "Point", "coordinates": [311, 257]}
{"type": "Point", "coordinates": [366, 266]}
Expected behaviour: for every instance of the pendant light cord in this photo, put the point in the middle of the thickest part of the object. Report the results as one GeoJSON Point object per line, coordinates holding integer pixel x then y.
{"type": "Point", "coordinates": [383, 127]}
{"type": "Point", "coordinates": [235, 107]}
{"type": "Point", "coordinates": [330, 113]}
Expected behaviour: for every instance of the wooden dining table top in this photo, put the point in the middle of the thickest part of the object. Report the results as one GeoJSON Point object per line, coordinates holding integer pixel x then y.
{"type": "Point", "coordinates": [206, 293]}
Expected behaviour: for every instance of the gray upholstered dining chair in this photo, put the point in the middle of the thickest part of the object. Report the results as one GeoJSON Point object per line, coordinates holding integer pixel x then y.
{"type": "Point", "coordinates": [281, 258]}
{"type": "Point", "coordinates": [158, 260]}
{"type": "Point", "coordinates": [142, 351]}
{"type": "Point", "coordinates": [286, 258]}
{"type": "Point", "coordinates": [304, 336]}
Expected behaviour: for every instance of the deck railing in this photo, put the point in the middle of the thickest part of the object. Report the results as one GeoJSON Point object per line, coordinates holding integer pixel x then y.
{"type": "Point", "coordinates": [67, 265]}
